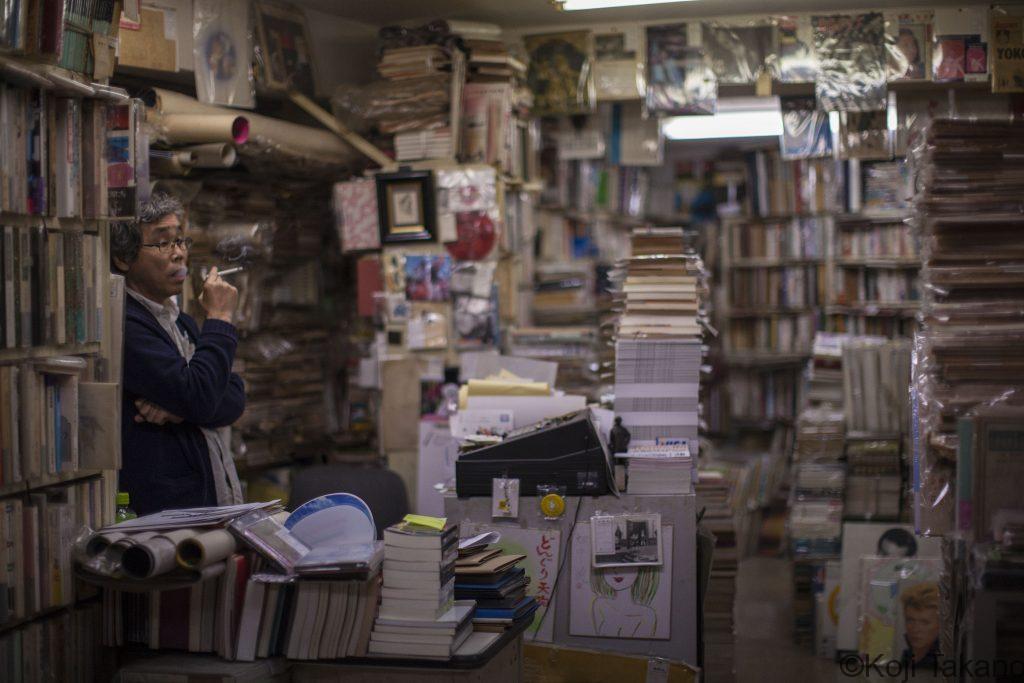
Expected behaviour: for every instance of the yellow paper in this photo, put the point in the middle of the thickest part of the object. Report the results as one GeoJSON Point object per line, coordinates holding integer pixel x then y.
{"type": "Point", "coordinates": [423, 520]}
{"type": "Point", "coordinates": [489, 387]}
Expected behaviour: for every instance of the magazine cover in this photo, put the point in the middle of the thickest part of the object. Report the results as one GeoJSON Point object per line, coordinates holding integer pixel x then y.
{"type": "Point", "coordinates": [222, 49]}
{"type": "Point", "coordinates": [899, 609]}
{"type": "Point", "coordinates": [909, 46]}
{"type": "Point", "coordinates": [851, 49]}
{"type": "Point", "coordinates": [1008, 54]}
{"type": "Point", "coordinates": [559, 73]}
{"type": "Point", "coordinates": [679, 80]}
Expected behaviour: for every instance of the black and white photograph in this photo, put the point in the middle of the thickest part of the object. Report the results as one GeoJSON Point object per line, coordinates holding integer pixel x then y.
{"type": "Point", "coordinates": [626, 540]}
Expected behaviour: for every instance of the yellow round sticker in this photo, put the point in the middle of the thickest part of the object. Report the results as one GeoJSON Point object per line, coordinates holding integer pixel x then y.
{"type": "Point", "coordinates": [552, 505]}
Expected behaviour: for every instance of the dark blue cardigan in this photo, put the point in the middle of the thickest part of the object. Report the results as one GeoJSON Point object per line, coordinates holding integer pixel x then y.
{"type": "Point", "coordinates": [168, 466]}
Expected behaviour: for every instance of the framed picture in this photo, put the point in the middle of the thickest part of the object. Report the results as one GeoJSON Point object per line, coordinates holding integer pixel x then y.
{"type": "Point", "coordinates": [405, 201]}
{"type": "Point", "coordinates": [287, 56]}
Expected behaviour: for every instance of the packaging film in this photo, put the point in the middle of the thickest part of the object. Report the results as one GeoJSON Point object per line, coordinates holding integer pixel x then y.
{"type": "Point", "coordinates": [968, 358]}
{"type": "Point", "coordinates": [222, 47]}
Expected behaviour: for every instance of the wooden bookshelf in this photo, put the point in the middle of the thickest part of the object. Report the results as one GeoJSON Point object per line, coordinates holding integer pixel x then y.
{"type": "Point", "coordinates": [37, 352]}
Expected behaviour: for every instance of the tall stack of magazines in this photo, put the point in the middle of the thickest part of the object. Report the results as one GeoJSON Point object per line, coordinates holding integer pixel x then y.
{"type": "Point", "coordinates": [968, 373]}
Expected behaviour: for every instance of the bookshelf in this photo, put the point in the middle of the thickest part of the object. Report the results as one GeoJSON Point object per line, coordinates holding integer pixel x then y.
{"type": "Point", "coordinates": [873, 274]}
{"type": "Point", "coordinates": [60, 404]}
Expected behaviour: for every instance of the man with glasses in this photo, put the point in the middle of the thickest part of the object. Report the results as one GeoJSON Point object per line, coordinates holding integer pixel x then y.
{"type": "Point", "coordinates": [179, 391]}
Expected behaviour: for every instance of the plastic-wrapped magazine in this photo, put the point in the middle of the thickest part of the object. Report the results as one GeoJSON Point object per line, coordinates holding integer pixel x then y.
{"type": "Point", "coordinates": [908, 42]}
{"type": "Point", "coordinates": [222, 47]}
{"type": "Point", "coordinates": [679, 79]}
{"type": "Point", "coordinates": [269, 538]}
{"type": "Point", "coordinates": [736, 53]}
{"type": "Point", "coordinates": [806, 132]}
{"type": "Point", "coordinates": [864, 135]}
{"type": "Point", "coordinates": [795, 61]}
{"type": "Point", "coordinates": [559, 72]}
{"type": "Point", "coordinates": [899, 609]}
{"type": "Point", "coordinates": [851, 50]}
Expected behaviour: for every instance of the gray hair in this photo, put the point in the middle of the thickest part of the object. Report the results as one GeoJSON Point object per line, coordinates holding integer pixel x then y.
{"type": "Point", "coordinates": [126, 237]}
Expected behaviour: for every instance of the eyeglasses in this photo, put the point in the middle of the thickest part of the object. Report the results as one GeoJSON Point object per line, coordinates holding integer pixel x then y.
{"type": "Point", "coordinates": [167, 246]}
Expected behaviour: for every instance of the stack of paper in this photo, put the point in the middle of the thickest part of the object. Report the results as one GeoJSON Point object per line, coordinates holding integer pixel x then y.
{"type": "Point", "coordinates": [819, 435]}
{"type": "Point", "coordinates": [826, 377]}
{"type": "Point", "coordinates": [659, 470]}
{"type": "Point", "coordinates": [423, 144]}
{"type": "Point", "coordinates": [498, 585]}
{"type": "Point", "coordinates": [656, 388]}
{"type": "Point", "coordinates": [413, 62]}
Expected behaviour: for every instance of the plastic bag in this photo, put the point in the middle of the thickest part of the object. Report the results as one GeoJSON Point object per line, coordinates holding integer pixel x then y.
{"type": "Point", "coordinates": [618, 73]}
{"type": "Point", "coordinates": [851, 52]}
{"type": "Point", "coordinates": [222, 51]}
{"type": "Point", "coordinates": [864, 135]}
{"type": "Point", "coordinates": [397, 106]}
{"type": "Point", "coordinates": [468, 216]}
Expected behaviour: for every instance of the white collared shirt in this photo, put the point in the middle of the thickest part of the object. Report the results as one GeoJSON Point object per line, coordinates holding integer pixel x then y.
{"type": "Point", "coordinates": [225, 477]}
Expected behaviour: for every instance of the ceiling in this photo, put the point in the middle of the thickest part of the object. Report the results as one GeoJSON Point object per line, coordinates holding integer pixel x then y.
{"type": "Point", "coordinates": [519, 13]}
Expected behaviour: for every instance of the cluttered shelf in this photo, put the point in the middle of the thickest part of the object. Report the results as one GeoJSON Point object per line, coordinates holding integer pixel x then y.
{"type": "Point", "coordinates": [52, 223]}
{"type": "Point", "coordinates": [43, 614]}
{"type": "Point", "coordinates": [46, 480]}
{"type": "Point", "coordinates": [880, 262]}
{"type": "Point", "coordinates": [35, 352]}
{"type": "Point", "coordinates": [39, 74]}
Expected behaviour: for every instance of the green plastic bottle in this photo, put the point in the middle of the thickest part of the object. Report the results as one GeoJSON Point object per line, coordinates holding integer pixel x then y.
{"type": "Point", "coordinates": [123, 511]}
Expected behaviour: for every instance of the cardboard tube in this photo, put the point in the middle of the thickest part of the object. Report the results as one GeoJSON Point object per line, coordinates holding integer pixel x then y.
{"type": "Point", "coordinates": [100, 542]}
{"type": "Point", "coordinates": [265, 133]}
{"type": "Point", "coordinates": [212, 155]}
{"type": "Point", "coordinates": [149, 558]}
{"type": "Point", "coordinates": [180, 129]}
{"type": "Point", "coordinates": [205, 549]}
{"type": "Point", "coordinates": [178, 163]}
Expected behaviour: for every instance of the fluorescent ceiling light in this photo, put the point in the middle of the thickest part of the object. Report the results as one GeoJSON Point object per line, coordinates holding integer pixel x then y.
{"type": "Point", "coordinates": [571, 5]}
{"type": "Point", "coordinates": [755, 118]}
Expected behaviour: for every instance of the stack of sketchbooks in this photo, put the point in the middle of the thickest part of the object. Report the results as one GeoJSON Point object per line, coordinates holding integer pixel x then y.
{"type": "Point", "coordinates": [497, 584]}
{"type": "Point", "coordinates": [413, 62]}
{"type": "Point", "coordinates": [429, 143]}
{"type": "Point", "coordinates": [659, 469]}
{"type": "Point", "coordinates": [660, 286]}
{"type": "Point", "coordinates": [418, 616]}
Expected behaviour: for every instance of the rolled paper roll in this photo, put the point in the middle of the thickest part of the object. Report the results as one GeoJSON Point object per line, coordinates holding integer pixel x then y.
{"type": "Point", "coordinates": [265, 133]}
{"type": "Point", "coordinates": [206, 548]}
{"type": "Point", "coordinates": [148, 558]}
{"type": "Point", "coordinates": [213, 155]}
{"type": "Point", "coordinates": [100, 542]}
{"type": "Point", "coordinates": [115, 551]}
{"type": "Point", "coordinates": [183, 129]}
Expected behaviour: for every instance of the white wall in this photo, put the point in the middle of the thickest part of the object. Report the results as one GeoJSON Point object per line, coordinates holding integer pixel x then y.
{"type": "Point", "coordinates": [345, 51]}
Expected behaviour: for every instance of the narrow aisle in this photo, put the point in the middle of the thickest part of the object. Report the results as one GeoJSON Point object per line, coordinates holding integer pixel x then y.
{"type": "Point", "coordinates": [765, 652]}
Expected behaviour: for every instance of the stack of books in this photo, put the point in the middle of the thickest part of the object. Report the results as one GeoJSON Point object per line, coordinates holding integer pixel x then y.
{"type": "Point", "coordinates": [658, 345]}
{"type": "Point", "coordinates": [659, 470]}
{"type": "Point", "coordinates": [825, 385]}
{"type": "Point", "coordinates": [873, 482]}
{"type": "Point", "coordinates": [659, 293]}
{"type": "Point", "coordinates": [497, 584]}
{"type": "Point", "coordinates": [820, 433]}
{"type": "Point", "coordinates": [418, 615]}
{"type": "Point", "coordinates": [876, 375]}
{"type": "Point", "coordinates": [968, 212]}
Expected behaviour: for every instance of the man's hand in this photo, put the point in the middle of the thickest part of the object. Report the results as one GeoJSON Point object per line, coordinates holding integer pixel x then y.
{"type": "Point", "coordinates": [219, 298]}
{"type": "Point", "coordinates": [154, 414]}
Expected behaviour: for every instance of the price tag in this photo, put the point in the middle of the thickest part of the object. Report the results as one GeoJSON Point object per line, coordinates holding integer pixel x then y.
{"type": "Point", "coordinates": [505, 498]}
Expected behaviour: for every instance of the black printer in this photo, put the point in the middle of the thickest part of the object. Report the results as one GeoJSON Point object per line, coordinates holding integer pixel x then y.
{"type": "Point", "coordinates": [567, 451]}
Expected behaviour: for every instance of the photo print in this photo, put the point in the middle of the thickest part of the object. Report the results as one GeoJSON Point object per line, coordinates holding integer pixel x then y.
{"type": "Point", "coordinates": [630, 540]}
